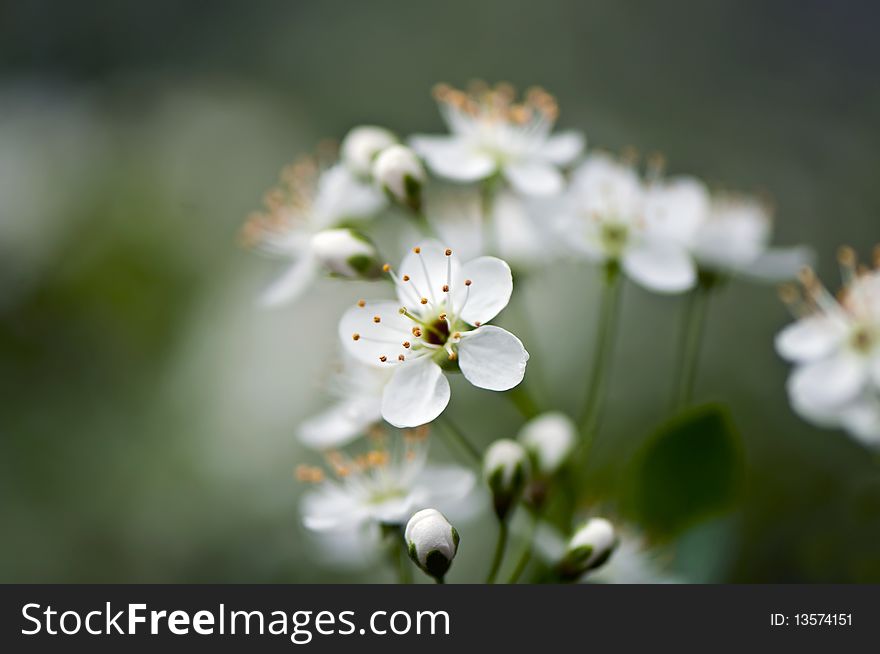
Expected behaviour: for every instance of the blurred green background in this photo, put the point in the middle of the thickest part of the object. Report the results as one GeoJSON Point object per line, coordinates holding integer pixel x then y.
{"type": "Point", "coordinates": [146, 429]}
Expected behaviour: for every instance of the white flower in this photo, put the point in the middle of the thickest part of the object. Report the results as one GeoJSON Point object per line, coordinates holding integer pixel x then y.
{"type": "Point", "coordinates": [724, 233]}
{"type": "Point", "coordinates": [359, 389]}
{"type": "Point", "coordinates": [506, 471]}
{"type": "Point", "coordinates": [491, 133]}
{"type": "Point", "coordinates": [381, 487]}
{"type": "Point", "coordinates": [588, 548]}
{"type": "Point", "coordinates": [306, 202]}
{"type": "Point", "coordinates": [605, 217]}
{"type": "Point", "coordinates": [431, 541]}
{"type": "Point", "coordinates": [835, 346]}
{"type": "Point", "coordinates": [361, 145]}
{"type": "Point", "coordinates": [437, 323]}
{"type": "Point", "coordinates": [549, 438]}
{"type": "Point", "coordinates": [398, 171]}
{"type": "Point", "coordinates": [735, 239]}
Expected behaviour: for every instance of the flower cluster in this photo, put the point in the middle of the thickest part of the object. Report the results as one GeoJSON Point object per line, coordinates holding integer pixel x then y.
{"type": "Point", "coordinates": [522, 197]}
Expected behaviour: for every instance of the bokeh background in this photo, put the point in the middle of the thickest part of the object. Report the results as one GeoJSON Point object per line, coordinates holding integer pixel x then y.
{"type": "Point", "coordinates": [148, 406]}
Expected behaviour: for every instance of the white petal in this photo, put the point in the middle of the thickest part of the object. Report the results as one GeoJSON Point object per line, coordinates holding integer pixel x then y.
{"type": "Point", "coordinates": [492, 358]}
{"type": "Point", "coordinates": [779, 264]}
{"type": "Point", "coordinates": [445, 485]}
{"type": "Point", "coordinates": [676, 208]}
{"type": "Point", "coordinates": [375, 339]}
{"type": "Point", "coordinates": [660, 266]}
{"type": "Point", "coordinates": [489, 292]}
{"type": "Point", "coordinates": [828, 383]}
{"type": "Point", "coordinates": [428, 274]}
{"type": "Point", "coordinates": [534, 177]}
{"type": "Point", "coordinates": [341, 195]}
{"type": "Point", "coordinates": [417, 393]}
{"type": "Point", "coordinates": [862, 420]}
{"type": "Point", "coordinates": [452, 158]}
{"type": "Point", "coordinates": [341, 423]}
{"type": "Point", "coordinates": [291, 284]}
{"type": "Point", "coordinates": [563, 148]}
{"type": "Point", "coordinates": [809, 339]}
{"type": "Point", "coordinates": [329, 506]}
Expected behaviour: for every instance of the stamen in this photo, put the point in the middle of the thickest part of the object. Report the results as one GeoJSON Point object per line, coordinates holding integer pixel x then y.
{"type": "Point", "coordinates": [417, 250]}
{"type": "Point", "coordinates": [400, 357]}
{"type": "Point", "coordinates": [362, 303]}
{"type": "Point", "coordinates": [383, 358]}
{"type": "Point", "coordinates": [377, 319]}
{"type": "Point", "coordinates": [445, 288]}
{"type": "Point", "coordinates": [386, 267]}
{"type": "Point", "coordinates": [424, 300]}
{"type": "Point", "coordinates": [406, 344]}
{"type": "Point", "coordinates": [355, 337]}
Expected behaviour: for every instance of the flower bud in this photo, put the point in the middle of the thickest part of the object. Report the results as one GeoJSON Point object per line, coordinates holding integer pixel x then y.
{"type": "Point", "coordinates": [431, 541]}
{"type": "Point", "coordinates": [549, 439]}
{"type": "Point", "coordinates": [506, 470]}
{"type": "Point", "coordinates": [398, 170]}
{"type": "Point", "coordinates": [361, 145]}
{"type": "Point", "coordinates": [589, 547]}
{"type": "Point", "coordinates": [346, 253]}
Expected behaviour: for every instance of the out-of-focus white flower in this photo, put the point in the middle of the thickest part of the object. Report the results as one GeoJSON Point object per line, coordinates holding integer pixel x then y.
{"type": "Point", "coordinates": [835, 346]}
{"type": "Point", "coordinates": [589, 547]}
{"type": "Point", "coordinates": [735, 239]}
{"type": "Point", "coordinates": [381, 487]}
{"type": "Point", "coordinates": [604, 217]}
{"type": "Point", "coordinates": [359, 407]}
{"type": "Point", "coordinates": [361, 145]}
{"type": "Point", "coordinates": [438, 322]}
{"type": "Point", "coordinates": [306, 202]}
{"type": "Point", "coordinates": [506, 471]}
{"type": "Point", "coordinates": [549, 439]}
{"type": "Point", "coordinates": [492, 133]}
{"type": "Point", "coordinates": [399, 172]}
{"type": "Point", "coordinates": [725, 233]}
{"type": "Point", "coordinates": [431, 542]}
{"type": "Point", "coordinates": [346, 253]}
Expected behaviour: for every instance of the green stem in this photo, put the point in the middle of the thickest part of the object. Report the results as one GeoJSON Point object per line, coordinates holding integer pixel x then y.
{"type": "Point", "coordinates": [500, 545]}
{"type": "Point", "coordinates": [463, 442]}
{"type": "Point", "coordinates": [523, 401]}
{"type": "Point", "coordinates": [440, 580]}
{"type": "Point", "coordinates": [603, 346]}
{"type": "Point", "coordinates": [691, 342]}
{"type": "Point", "coordinates": [526, 555]}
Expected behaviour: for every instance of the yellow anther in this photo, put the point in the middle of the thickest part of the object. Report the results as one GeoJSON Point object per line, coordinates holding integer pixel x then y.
{"type": "Point", "coordinates": [355, 337]}
{"type": "Point", "coordinates": [383, 358]}
{"type": "Point", "coordinates": [405, 278]}
{"type": "Point", "coordinates": [424, 300]}
{"type": "Point", "coordinates": [467, 282]}
{"type": "Point", "coordinates": [406, 344]}
{"type": "Point", "coordinates": [442, 316]}
{"type": "Point", "coordinates": [400, 357]}
{"type": "Point", "coordinates": [448, 252]}
{"type": "Point", "coordinates": [377, 319]}
{"type": "Point", "coordinates": [445, 288]}
{"type": "Point", "coordinates": [386, 267]}
{"type": "Point", "coordinates": [453, 356]}
{"type": "Point", "coordinates": [362, 303]}
{"type": "Point", "coordinates": [417, 250]}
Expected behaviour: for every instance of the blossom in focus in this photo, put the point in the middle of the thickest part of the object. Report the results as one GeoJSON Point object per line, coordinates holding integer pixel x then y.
{"type": "Point", "coordinates": [491, 133]}
{"type": "Point", "coordinates": [361, 146]}
{"type": "Point", "coordinates": [358, 388]}
{"type": "Point", "coordinates": [603, 217]}
{"type": "Point", "coordinates": [384, 486]}
{"type": "Point", "coordinates": [431, 541]}
{"type": "Point", "coordinates": [308, 201]}
{"type": "Point", "coordinates": [835, 348]}
{"type": "Point", "coordinates": [437, 324]}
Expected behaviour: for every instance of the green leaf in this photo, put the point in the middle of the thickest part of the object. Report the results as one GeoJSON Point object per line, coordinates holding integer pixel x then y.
{"type": "Point", "coordinates": [690, 469]}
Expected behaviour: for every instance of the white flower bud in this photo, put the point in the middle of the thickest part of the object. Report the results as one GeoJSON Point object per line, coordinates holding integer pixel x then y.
{"type": "Point", "coordinates": [398, 170]}
{"type": "Point", "coordinates": [361, 145]}
{"type": "Point", "coordinates": [506, 470]}
{"type": "Point", "coordinates": [589, 547]}
{"type": "Point", "coordinates": [346, 253]}
{"type": "Point", "coordinates": [431, 541]}
{"type": "Point", "coordinates": [549, 439]}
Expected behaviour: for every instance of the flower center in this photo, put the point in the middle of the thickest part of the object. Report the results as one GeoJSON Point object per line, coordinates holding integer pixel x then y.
{"type": "Point", "coordinates": [613, 236]}
{"type": "Point", "coordinates": [862, 339]}
{"type": "Point", "coordinates": [437, 332]}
